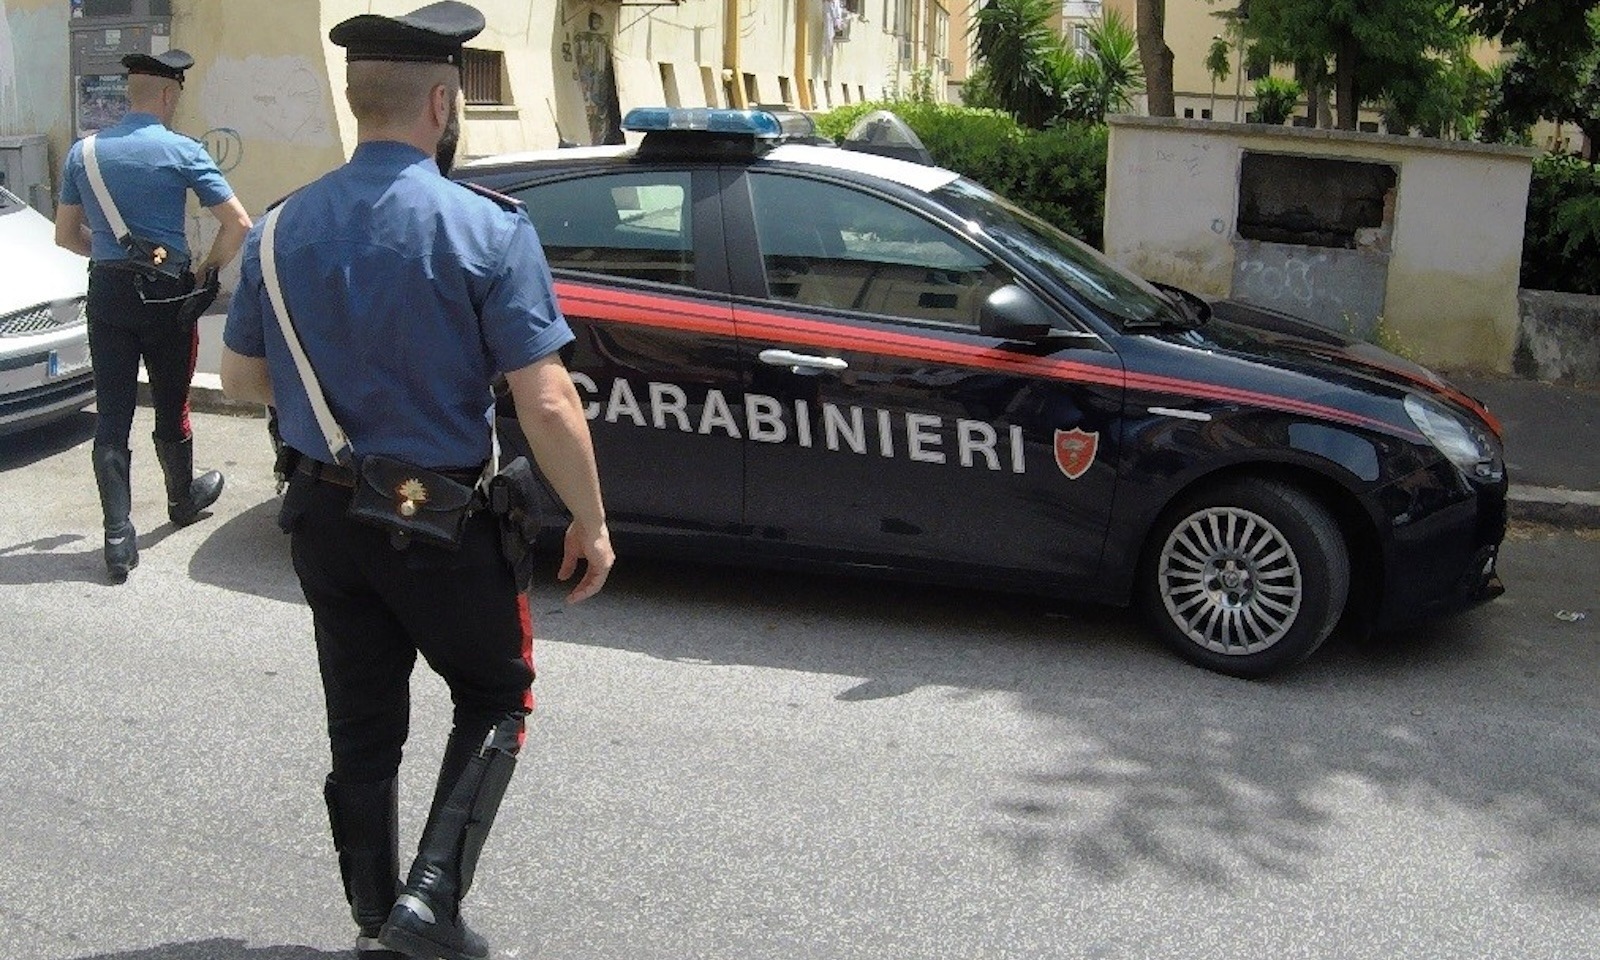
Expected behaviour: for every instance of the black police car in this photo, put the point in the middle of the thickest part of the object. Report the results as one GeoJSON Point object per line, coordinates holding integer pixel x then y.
{"type": "Point", "coordinates": [800, 355]}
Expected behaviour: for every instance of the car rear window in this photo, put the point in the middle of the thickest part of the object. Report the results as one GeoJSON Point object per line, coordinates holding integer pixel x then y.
{"type": "Point", "coordinates": [631, 225]}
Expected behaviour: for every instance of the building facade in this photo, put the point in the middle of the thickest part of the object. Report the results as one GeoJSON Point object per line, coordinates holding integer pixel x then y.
{"type": "Point", "coordinates": [266, 92]}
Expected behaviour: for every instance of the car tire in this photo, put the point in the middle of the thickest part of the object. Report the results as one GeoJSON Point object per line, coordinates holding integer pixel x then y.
{"type": "Point", "coordinates": [1246, 578]}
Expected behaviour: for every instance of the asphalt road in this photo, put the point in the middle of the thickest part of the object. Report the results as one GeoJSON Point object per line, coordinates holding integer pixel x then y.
{"type": "Point", "coordinates": [740, 765]}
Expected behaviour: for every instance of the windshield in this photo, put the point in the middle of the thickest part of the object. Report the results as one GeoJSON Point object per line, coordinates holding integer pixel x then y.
{"type": "Point", "coordinates": [8, 201]}
{"type": "Point", "coordinates": [1076, 264]}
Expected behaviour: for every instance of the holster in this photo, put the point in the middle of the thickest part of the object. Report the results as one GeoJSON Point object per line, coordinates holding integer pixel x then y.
{"type": "Point", "coordinates": [201, 296]}
{"type": "Point", "coordinates": [514, 500]}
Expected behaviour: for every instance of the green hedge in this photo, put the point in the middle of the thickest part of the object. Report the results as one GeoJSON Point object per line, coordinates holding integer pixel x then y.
{"type": "Point", "coordinates": [1561, 242]}
{"type": "Point", "coordinates": [1058, 174]}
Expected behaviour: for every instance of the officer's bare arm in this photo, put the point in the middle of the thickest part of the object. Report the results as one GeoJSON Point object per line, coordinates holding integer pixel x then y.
{"type": "Point", "coordinates": [551, 415]}
{"type": "Point", "coordinates": [71, 232]}
{"type": "Point", "coordinates": [235, 224]}
{"type": "Point", "coordinates": [245, 378]}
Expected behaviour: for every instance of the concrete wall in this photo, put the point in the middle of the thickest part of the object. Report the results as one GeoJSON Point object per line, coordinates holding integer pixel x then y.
{"type": "Point", "coordinates": [1454, 244]}
{"type": "Point", "coordinates": [34, 84]}
{"type": "Point", "coordinates": [1559, 337]}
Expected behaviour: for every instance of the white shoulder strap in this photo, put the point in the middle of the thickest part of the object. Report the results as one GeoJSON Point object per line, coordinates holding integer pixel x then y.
{"type": "Point", "coordinates": [338, 445]}
{"type": "Point", "coordinates": [108, 206]}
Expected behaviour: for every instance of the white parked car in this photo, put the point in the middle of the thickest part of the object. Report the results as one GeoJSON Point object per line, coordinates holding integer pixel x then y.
{"type": "Point", "coordinates": [44, 335]}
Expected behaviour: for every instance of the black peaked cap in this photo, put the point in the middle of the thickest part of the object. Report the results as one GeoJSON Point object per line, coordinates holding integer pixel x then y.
{"type": "Point", "coordinates": [432, 34]}
{"type": "Point", "coordinates": [169, 65]}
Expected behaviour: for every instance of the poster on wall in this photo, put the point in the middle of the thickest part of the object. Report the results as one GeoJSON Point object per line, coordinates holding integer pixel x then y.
{"type": "Point", "coordinates": [102, 101]}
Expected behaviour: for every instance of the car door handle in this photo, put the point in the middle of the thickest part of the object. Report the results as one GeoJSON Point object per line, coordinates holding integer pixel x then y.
{"type": "Point", "coordinates": [801, 362]}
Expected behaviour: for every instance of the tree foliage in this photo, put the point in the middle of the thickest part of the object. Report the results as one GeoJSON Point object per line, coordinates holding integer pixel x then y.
{"type": "Point", "coordinates": [1025, 68]}
{"type": "Point", "coordinates": [1102, 80]}
{"type": "Point", "coordinates": [1381, 50]}
{"type": "Point", "coordinates": [1275, 100]}
{"type": "Point", "coordinates": [1555, 81]}
{"type": "Point", "coordinates": [1561, 243]}
{"type": "Point", "coordinates": [1014, 40]}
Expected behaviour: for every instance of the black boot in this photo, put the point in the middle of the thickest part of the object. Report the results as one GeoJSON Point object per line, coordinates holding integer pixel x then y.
{"type": "Point", "coordinates": [187, 494]}
{"type": "Point", "coordinates": [426, 920]}
{"type": "Point", "coordinates": [365, 818]}
{"type": "Point", "coordinates": [116, 505]}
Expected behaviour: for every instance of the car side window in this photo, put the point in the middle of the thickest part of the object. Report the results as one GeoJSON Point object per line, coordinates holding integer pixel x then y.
{"type": "Point", "coordinates": [634, 225]}
{"type": "Point", "coordinates": [828, 245]}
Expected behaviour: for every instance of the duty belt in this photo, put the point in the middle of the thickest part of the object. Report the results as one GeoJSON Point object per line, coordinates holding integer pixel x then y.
{"type": "Point", "coordinates": [326, 472]}
{"type": "Point", "coordinates": [315, 469]}
{"type": "Point", "coordinates": [171, 270]}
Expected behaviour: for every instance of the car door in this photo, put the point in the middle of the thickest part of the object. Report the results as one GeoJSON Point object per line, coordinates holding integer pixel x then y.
{"type": "Point", "coordinates": [637, 257]}
{"type": "Point", "coordinates": [896, 432]}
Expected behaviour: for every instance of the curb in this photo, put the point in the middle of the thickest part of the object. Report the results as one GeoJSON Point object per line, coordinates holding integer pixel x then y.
{"type": "Point", "coordinates": [205, 396]}
{"type": "Point", "coordinates": [1554, 506]}
{"type": "Point", "coordinates": [1547, 505]}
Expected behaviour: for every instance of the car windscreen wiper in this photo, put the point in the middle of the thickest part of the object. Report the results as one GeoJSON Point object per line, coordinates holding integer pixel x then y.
{"type": "Point", "coordinates": [1190, 311]}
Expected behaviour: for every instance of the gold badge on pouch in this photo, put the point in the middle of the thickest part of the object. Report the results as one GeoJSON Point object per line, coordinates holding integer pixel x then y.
{"type": "Point", "coordinates": [412, 494]}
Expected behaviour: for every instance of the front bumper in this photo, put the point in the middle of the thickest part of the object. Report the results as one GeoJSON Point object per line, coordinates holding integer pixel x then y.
{"type": "Point", "coordinates": [1441, 553]}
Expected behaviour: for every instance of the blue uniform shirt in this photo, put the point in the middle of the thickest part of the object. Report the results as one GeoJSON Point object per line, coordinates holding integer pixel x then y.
{"type": "Point", "coordinates": [148, 171]}
{"type": "Point", "coordinates": [409, 292]}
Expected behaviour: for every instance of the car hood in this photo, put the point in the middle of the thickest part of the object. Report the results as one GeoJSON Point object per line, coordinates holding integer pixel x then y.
{"type": "Point", "coordinates": [1277, 339]}
{"type": "Point", "coordinates": [35, 269]}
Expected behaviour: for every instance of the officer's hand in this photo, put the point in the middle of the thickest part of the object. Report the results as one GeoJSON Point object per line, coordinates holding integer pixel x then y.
{"type": "Point", "coordinates": [594, 549]}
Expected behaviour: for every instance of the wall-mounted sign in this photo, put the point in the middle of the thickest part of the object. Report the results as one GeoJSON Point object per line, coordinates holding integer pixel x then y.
{"type": "Point", "coordinates": [102, 101]}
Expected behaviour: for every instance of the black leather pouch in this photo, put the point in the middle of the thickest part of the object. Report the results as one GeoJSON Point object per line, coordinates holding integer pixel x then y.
{"type": "Point", "coordinates": [410, 502]}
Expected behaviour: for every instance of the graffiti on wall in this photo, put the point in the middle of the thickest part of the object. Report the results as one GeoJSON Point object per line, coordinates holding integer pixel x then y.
{"type": "Point", "coordinates": [225, 146]}
{"type": "Point", "coordinates": [599, 85]}
{"type": "Point", "coordinates": [276, 99]}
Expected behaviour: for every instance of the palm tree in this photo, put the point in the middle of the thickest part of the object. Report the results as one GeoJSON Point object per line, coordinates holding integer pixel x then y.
{"type": "Point", "coordinates": [1104, 79]}
{"type": "Point", "coordinates": [1013, 38]}
{"type": "Point", "coordinates": [1218, 66]}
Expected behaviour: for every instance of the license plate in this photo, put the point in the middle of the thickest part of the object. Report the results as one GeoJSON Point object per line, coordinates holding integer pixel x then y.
{"type": "Point", "coordinates": [66, 362]}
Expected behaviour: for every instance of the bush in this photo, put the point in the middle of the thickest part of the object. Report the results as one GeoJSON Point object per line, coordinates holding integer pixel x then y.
{"type": "Point", "coordinates": [1561, 242]}
{"type": "Point", "coordinates": [1276, 100]}
{"type": "Point", "coordinates": [1058, 174]}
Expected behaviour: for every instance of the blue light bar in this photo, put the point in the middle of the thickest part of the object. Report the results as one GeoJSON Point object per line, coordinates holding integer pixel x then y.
{"type": "Point", "coordinates": [758, 124]}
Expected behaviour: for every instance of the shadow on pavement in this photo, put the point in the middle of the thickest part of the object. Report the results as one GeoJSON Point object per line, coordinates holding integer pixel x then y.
{"type": "Point", "coordinates": [219, 949]}
{"type": "Point", "coordinates": [1209, 779]}
{"type": "Point", "coordinates": [42, 560]}
{"type": "Point", "coordinates": [41, 443]}
{"type": "Point", "coordinates": [248, 554]}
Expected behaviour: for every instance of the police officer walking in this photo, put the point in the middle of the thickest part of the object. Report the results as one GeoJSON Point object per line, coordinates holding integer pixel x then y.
{"type": "Point", "coordinates": [408, 293]}
{"type": "Point", "coordinates": [122, 205]}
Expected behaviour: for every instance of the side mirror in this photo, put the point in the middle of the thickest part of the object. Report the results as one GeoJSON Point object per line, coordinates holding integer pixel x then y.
{"type": "Point", "coordinates": [1013, 313]}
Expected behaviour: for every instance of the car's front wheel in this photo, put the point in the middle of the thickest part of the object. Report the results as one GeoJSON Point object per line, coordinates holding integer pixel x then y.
{"type": "Point", "coordinates": [1247, 577]}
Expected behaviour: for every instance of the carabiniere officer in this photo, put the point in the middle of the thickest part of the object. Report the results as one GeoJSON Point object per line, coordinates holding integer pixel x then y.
{"type": "Point", "coordinates": [409, 293]}
{"type": "Point", "coordinates": [137, 314]}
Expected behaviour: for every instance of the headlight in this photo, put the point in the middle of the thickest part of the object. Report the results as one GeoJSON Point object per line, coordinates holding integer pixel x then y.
{"type": "Point", "coordinates": [1466, 446]}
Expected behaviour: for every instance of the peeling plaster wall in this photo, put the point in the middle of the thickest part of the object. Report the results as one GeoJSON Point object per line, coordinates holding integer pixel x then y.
{"type": "Point", "coordinates": [34, 75]}
{"type": "Point", "coordinates": [1451, 293]}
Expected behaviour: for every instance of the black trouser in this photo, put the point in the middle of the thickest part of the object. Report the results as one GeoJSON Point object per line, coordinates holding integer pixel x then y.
{"type": "Point", "coordinates": [375, 608]}
{"type": "Point", "coordinates": [123, 329]}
